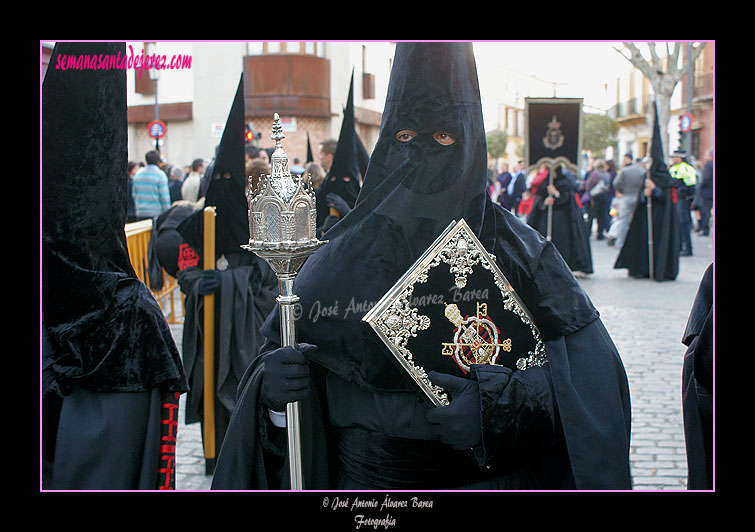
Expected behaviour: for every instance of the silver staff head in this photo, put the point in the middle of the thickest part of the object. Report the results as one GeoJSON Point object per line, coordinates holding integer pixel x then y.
{"type": "Point", "coordinates": [282, 213]}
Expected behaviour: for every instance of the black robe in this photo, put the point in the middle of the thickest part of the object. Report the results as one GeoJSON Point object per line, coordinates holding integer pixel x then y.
{"type": "Point", "coordinates": [568, 230]}
{"type": "Point", "coordinates": [243, 299]}
{"type": "Point", "coordinates": [697, 387]}
{"type": "Point", "coordinates": [564, 425]}
{"type": "Point", "coordinates": [111, 372]}
{"type": "Point", "coordinates": [587, 384]}
{"type": "Point", "coordinates": [246, 289]}
{"type": "Point", "coordinates": [635, 253]}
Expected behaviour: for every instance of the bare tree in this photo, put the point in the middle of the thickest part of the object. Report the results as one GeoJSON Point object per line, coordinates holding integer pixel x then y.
{"type": "Point", "coordinates": [663, 81]}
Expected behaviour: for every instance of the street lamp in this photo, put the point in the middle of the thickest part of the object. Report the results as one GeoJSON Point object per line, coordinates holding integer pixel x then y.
{"type": "Point", "coordinates": [154, 75]}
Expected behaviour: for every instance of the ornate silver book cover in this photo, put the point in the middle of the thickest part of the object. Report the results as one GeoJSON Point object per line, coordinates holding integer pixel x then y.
{"type": "Point", "coordinates": [454, 308]}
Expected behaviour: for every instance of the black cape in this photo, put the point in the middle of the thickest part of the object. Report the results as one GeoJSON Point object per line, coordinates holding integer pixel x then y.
{"type": "Point", "coordinates": [635, 253]}
{"type": "Point", "coordinates": [107, 344]}
{"type": "Point", "coordinates": [697, 386]}
{"type": "Point", "coordinates": [411, 192]}
{"type": "Point", "coordinates": [568, 230]}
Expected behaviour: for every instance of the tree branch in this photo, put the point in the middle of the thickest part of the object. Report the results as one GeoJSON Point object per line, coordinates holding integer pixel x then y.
{"type": "Point", "coordinates": [640, 63]}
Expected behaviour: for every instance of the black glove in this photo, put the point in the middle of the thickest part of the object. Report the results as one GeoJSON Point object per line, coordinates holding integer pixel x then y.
{"type": "Point", "coordinates": [285, 378]}
{"type": "Point", "coordinates": [457, 424]}
{"type": "Point", "coordinates": [338, 203]}
{"type": "Point", "coordinates": [209, 282]}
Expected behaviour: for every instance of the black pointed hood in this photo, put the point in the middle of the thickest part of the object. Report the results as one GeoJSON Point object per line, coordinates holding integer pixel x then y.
{"type": "Point", "coordinates": [226, 189]}
{"type": "Point", "coordinates": [346, 157]}
{"type": "Point", "coordinates": [659, 172]}
{"type": "Point", "coordinates": [345, 173]}
{"type": "Point", "coordinates": [107, 332]}
{"type": "Point", "coordinates": [433, 89]}
{"type": "Point", "coordinates": [310, 157]}
{"type": "Point", "coordinates": [412, 191]}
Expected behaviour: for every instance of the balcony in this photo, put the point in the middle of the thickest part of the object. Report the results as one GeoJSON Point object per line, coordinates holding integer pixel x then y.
{"type": "Point", "coordinates": [703, 87]}
{"type": "Point", "coordinates": [288, 84]}
{"type": "Point", "coordinates": [629, 111]}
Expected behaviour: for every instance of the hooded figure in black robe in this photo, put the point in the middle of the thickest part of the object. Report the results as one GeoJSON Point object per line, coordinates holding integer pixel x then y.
{"type": "Point", "coordinates": [111, 372]}
{"type": "Point", "coordinates": [697, 387]}
{"type": "Point", "coordinates": [364, 423]}
{"type": "Point", "coordinates": [244, 285]}
{"type": "Point", "coordinates": [340, 188]}
{"type": "Point", "coordinates": [635, 253]}
{"type": "Point", "coordinates": [568, 230]}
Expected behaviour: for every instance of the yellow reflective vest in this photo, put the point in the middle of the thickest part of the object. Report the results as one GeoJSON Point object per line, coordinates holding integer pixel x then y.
{"type": "Point", "coordinates": [685, 172]}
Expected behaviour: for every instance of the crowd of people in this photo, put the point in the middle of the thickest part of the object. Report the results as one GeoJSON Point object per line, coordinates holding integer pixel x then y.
{"type": "Point", "coordinates": [155, 184]}
{"type": "Point", "coordinates": [363, 426]}
{"type": "Point", "coordinates": [606, 196]}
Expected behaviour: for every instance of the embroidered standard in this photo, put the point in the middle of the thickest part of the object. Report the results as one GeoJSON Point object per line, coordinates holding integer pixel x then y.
{"type": "Point", "coordinates": [454, 308]}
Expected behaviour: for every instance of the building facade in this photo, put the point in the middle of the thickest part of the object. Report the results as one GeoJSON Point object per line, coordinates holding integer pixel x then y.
{"type": "Point", "coordinates": [306, 83]}
{"type": "Point", "coordinates": [633, 109]}
{"type": "Point", "coordinates": [702, 102]}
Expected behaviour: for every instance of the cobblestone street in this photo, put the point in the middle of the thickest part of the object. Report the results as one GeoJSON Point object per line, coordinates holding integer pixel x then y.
{"type": "Point", "coordinates": [646, 321]}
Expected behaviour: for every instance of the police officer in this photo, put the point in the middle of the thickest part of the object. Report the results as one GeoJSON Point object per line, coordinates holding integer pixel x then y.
{"type": "Point", "coordinates": [685, 180]}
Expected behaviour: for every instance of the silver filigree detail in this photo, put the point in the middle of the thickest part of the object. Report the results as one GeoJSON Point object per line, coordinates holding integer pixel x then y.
{"type": "Point", "coordinates": [396, 320]}
{"type": "Point", "coordinates": [401, 322]}
{"type": "Point", "coordinates": [460, 256]}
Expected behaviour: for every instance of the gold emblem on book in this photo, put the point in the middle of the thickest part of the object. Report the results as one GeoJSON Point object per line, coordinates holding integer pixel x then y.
{"type": "Point", "coordinates": [476, 338]}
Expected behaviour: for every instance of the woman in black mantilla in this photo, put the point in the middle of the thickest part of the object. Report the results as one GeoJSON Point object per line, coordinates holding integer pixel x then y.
{"type": "Point", "coordinates": [363, 422]}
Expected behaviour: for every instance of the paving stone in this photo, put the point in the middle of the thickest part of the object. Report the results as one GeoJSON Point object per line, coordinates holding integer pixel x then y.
{"type": "Point", "coordinates": [646, 321]}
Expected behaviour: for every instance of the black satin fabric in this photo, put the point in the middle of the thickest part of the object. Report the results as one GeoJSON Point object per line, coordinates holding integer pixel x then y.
{"type": "Point", "coordinates": [106, 331]}
{"type": "Point", "coordinates": [370, 460]}
{"type": "Point", "coordinates": [253, 454]}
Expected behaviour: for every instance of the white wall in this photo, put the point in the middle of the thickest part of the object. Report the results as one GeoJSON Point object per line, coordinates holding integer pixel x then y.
{"type": "Point", "coordinates": [210, 85]}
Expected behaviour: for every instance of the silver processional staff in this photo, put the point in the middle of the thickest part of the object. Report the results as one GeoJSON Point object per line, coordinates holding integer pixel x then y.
{"type": "Point", "coordinates": [282, 230]}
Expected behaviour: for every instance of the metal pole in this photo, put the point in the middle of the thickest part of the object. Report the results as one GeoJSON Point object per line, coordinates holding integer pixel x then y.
{"type": "Point", "coordinates": [275, 213]}
{"type": "Point", "coordinates": [287, 299]}
{"type": "Point", "coordinates": [649, 212]}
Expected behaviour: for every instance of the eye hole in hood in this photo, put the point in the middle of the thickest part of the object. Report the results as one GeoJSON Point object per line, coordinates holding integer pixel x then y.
{"type": "Point", "coordinates": [441, 137]}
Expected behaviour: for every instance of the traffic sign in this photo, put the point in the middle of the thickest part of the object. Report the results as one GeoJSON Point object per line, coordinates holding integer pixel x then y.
{"type": "Point", "coordinates": [156, 129]}
{"type": "Point", "coordinates": [685, 123]}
